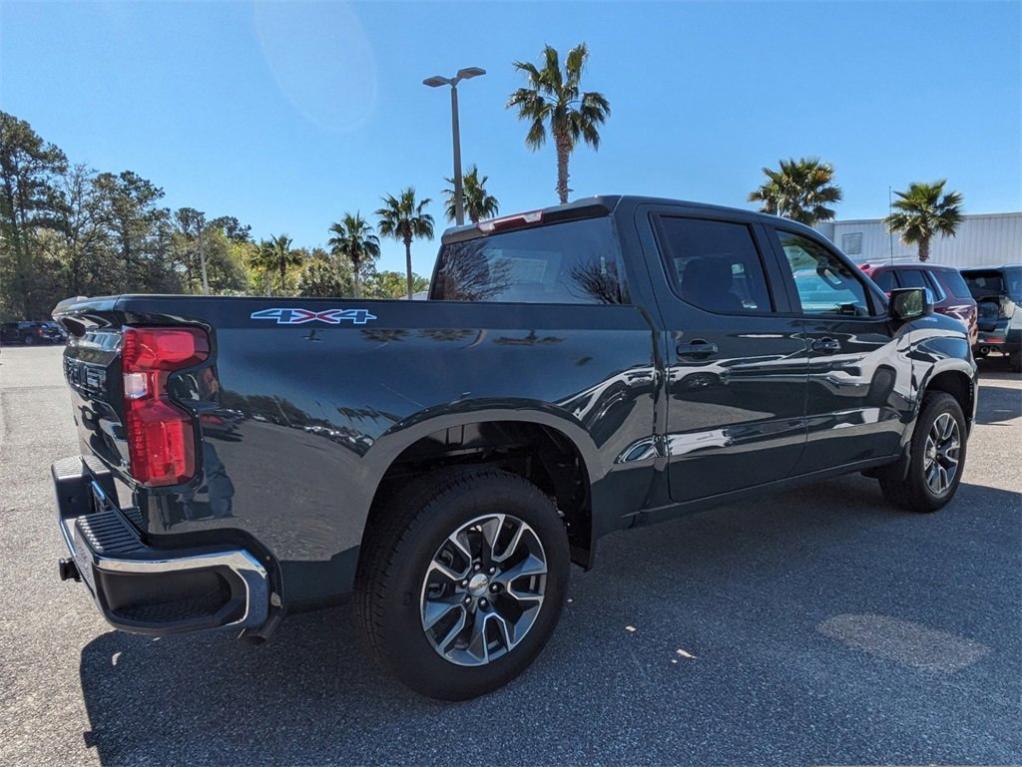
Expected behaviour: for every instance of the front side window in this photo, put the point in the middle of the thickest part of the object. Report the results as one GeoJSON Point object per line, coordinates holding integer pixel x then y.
{"type": "Point", "coordinates": [575, 262]}
{"type": "Point", "coordinates": [825, 284]}
{"type": "Point", "coordinates": [714, 265]}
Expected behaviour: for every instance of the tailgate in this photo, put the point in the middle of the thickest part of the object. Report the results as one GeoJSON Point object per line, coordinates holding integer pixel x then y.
{"type": "Point", "coordinates": [93, 374]}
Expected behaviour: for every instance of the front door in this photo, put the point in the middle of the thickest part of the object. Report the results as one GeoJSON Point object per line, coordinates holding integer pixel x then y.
{"type": "Point", "coordinates": [736, 365]}
{"type": "Point", "coordinates": [859, 388]}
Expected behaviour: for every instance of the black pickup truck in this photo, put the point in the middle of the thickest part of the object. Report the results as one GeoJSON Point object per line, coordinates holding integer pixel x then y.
{"type": "Point", "coordinates": [577, 370]}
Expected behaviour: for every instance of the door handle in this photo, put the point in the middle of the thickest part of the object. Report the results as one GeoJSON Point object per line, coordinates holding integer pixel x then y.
{"type": "Point", "coordinates": [826, 345]}
{"type": "Point", "coordinates": [696, 349]}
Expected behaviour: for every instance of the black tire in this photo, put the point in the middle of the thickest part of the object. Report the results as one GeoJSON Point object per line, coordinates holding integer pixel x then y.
{"type": "Point", "coordinates": [1015, 361]}
{"type": "Point", "coordinates": [414, 523]}
{"type": "Point", "coordinates": [28, 341]}
{"type": "Point", "coordinates": [914, 493]}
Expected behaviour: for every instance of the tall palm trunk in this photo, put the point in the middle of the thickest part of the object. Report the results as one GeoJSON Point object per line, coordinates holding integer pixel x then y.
{"type": "Point", "coordinates": [563, 151]}
{"type": "Point", "coordinates": [924, 249]}
{"type": "Point", "coordinates": [408, 264]}
{"type": "Point", "coordinates": [356, 278]}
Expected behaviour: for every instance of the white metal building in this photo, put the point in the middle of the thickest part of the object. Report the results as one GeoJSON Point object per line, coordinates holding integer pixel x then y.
{"type": "Point", "coordinates": [983, 239]}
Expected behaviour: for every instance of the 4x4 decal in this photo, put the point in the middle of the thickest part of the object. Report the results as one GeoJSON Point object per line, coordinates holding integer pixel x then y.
{"type": "Point", "coordinates": [294, 316]}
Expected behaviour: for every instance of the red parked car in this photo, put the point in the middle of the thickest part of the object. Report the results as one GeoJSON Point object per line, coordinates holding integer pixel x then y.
{"type": "Point", "coordinates": [951, 295]}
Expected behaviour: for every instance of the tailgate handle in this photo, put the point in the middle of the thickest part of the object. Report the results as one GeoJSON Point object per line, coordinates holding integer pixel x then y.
{"type": "Point", "coordinates": [696, 348]}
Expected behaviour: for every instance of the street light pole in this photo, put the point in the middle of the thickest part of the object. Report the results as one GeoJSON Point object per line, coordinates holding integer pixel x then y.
{"type": "Point", "coordinates": [435, 82]}
{"type": "Point", "coordinates": [459, 195]}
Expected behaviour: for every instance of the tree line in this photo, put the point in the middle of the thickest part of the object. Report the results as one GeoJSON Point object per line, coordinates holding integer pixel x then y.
{"type": "Point", "coordinates": [66, 229]}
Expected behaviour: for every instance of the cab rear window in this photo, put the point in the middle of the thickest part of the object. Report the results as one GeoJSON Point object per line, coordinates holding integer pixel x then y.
{"type": "Point", "coordinates": [575, 262]}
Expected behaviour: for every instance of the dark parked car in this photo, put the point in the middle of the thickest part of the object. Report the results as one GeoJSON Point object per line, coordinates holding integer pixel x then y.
{"type": "Point", "coordinates": [30, 333]}
{"type": "Point", "coordinates": [998, 291]}
{"type": "Point", "coordinates": [578, 370]}
{"type": "Point", "coordinates": [951, 295]}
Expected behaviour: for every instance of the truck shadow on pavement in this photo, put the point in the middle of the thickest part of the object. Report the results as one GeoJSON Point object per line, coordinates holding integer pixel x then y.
{"type": "Point", "coordinates": [737, 587]}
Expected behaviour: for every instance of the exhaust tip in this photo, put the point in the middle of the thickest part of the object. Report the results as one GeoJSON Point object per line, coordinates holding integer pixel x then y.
{"type": "Point", "coordinates": [68, 570]}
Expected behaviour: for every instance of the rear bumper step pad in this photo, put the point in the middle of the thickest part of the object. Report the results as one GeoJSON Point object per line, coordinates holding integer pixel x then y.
{"type": "Point", "coordinates": [146, 590]}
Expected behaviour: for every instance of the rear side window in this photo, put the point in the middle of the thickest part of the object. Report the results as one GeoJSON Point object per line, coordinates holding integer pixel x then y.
{"type": "Point", "coordinates": [714, 265]}
{"type": "Point", "coordinates": [825, 283]}
{"type": "Point", "coordinates": [952, 282]}
{"type": "Point", "coordinates": [885, 280]}
{"type": "Point", "coordinates": [576, 262]}
{"type": "Point", "coordinates": [913, 278]}
{"type": "Point", "coordinates": [919, 278]}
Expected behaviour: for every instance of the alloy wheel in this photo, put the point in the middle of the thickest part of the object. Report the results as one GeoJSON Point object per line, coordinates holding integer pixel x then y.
{"type": "Point", "coordinates": [483, 589]}
{"type": "Point", "coordinates": [940, 463]}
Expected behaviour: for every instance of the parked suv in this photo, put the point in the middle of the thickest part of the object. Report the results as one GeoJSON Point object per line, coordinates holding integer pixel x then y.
{"type": "Point", "coordinates": [998, 291]}
{"type": "Point", "coordinates": [587, 368]}
{"type": "Point", "coordinates": [29, 333]}
{"type": "Point", "coordinates": [951, 295]}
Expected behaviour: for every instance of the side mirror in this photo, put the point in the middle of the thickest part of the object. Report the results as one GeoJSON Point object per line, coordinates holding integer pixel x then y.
{"type": "Point", "coordinates": [909, 304]}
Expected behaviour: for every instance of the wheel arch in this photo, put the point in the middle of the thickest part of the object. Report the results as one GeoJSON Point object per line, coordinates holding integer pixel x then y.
{"type": "Point", "coordinates": [540, 443]}
{"type": "Point", "coordinates": [959, 381]}
{"type": "Point", "coordinates": [952, 376]}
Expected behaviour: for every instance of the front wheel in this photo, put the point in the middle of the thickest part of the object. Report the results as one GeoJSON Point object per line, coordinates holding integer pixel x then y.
{"type": "Point", "coordinates": [937, 457]}
{"type": "Point", "coordinates": [462, 582]}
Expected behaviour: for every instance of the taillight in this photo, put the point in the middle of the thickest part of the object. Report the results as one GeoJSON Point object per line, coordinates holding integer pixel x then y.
{"type": "Point", "coordinates": [161, 436]}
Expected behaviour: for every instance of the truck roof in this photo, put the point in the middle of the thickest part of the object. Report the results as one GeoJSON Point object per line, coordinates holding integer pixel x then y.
{"type": "Point", "coordinates": [1000, 268]}
{"type": "Point", "coordinates": [591, 207]}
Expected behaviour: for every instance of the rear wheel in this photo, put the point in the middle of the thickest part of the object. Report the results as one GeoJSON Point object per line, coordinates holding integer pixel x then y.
{"type": "Point", "coordinates": [937, 457]}
{"type": "Point", "coordinates": [462, 583]}
{"type": "Point", "coordinates": [1015, 361]}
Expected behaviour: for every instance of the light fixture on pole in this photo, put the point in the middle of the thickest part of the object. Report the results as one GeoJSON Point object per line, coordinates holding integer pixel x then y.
{"type": "Point", "coordinates": [435, 82]}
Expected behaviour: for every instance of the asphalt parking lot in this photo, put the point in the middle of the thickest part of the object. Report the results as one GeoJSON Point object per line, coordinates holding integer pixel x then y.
{"type": "Point", "coordinates": [818, 626]}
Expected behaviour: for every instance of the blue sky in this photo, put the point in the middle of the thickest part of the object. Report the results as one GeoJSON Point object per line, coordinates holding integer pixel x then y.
{"type": "Point", "coordinates": [287, 115]}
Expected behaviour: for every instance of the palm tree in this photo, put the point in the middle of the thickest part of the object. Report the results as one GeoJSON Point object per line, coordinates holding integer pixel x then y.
{"type": "Point", "coordinates": [404, 219]}
{"type": "Point", "coordinates": [925, 211]}
{"type": "Point", "coordinates": [800, 190]}
{"type": "Point", "coordinates": [555, 97]}
{"type": "Point", "coordinates": [479, 203]}
{"type": "Point", "coordinates": [354, 240]}
{"type": "Point", "coordinates": [276, 254]}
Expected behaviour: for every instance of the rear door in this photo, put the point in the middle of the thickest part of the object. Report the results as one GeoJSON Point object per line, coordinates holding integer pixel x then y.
{"type": "Point", "coordinates": [858, 383]}
{"type": "Point", "coordinates": [735, 363]}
